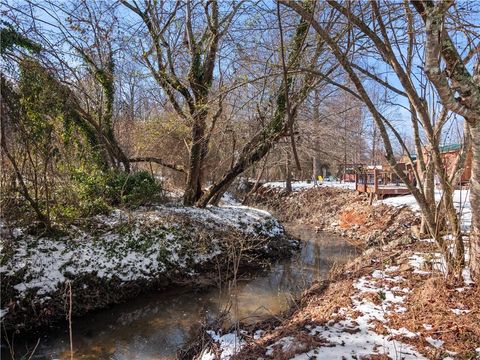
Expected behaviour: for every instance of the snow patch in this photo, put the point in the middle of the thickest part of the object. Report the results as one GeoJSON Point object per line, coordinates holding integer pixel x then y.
{"type": "Point", "coordinates": [355, 337]}
{"type": "Point", "coordinates": [460, 311]}
{"type": "Point", "coordinates": [229, 343]}
{"type": "Point", "coordinates": [461, 200]}
{"type": "Point", "coordinates": [301, 185]}
{"type": "Point", "coordinates": [434, 342]}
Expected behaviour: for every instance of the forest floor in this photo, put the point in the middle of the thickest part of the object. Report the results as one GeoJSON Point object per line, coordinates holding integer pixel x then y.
{"type": "Point", "coordinates": [392, 302]}
{"type": "Point", "coordinates": [110, 258]}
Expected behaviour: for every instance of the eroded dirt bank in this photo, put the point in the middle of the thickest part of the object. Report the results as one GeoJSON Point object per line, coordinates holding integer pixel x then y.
{"type": "Point", "coordinates": [340, 211]}
{"type": "Point", "coordinates": [393, 302]}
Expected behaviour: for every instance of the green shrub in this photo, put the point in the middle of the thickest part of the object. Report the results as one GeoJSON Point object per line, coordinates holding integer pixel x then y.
{"type": "Point", "coordinates": [135, 189]}
{"type": "Point", "coordinates": [99, 191]}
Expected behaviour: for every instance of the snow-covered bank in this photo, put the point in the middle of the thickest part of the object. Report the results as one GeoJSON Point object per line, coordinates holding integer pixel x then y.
{"type": "Point", "coordinates": [461, 200]}
{"type": "Point", "coordinates": [379, 306]}
{"type": "Point", "coordinates": [301, 185]}
{"type": "Point", "coordinates": [124, 253]}
{"type": "Point", "coordinates": [391, 303]}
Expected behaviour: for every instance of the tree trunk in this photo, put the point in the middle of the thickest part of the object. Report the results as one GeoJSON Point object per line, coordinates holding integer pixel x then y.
{"type": "Point", "coordinates": [316, 168]}
{"type": "Point", "coordinates": [475, 201]}
{"type": "Point", "coordinates": [288, 175]}
{"type": "Point", "coordinates": [193, 188]}
{"type": "Point", "coordinates": [248, 157]}
{"type": "Point", "coordinates": [256, 186]}
{"type": "Point", "coordinates": [458, 260]}
{"type": "Point", "coordinates": [429, 191]}
{"type": "Point", "coordinates": [120, 156]}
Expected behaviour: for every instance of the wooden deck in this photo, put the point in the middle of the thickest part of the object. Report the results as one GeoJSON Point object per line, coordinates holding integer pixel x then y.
{"type": "Point", "coordinates": [370, 182]}
{"type": "Point", "coordinates": [382, 190]}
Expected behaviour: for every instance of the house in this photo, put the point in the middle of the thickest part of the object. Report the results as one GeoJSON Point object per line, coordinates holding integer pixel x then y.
{"type": "Point", "coordinates": [349, 171]}
{"type": "Point", "coordinates": [450, 155]}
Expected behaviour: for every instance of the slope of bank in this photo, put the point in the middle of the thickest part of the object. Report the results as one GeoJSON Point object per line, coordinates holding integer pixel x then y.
{"type": "Point", "coordinates": [112, 258]}
{"type": "Point", "coordinates": [393, 302]}
{"type": "Point", "coordinates": [340, 211]}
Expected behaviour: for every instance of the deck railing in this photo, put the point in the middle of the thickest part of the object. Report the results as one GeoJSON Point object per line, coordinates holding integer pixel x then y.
{"type": "Point", "coordinates": [378, 183]}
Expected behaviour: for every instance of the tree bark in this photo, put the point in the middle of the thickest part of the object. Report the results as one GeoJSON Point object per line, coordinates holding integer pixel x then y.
{"type": "Point", "coordinates": [475, 201]}
{"type": "Point", "coordinates": [193, 187]}
{"type": "Point", "coordinates": [288, 175]}
{"type": "Point", "coordinates": [315, 167]}
{"type": "Point", "coordinates": [429, 191]}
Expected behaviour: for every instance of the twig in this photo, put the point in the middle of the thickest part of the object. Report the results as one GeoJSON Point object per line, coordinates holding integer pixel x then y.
{"type": "Point", "coordinates": [10, 346]}
{"type": "Point", "coordinates": [69, 318]}
{"type": "Point", "coordinates": [34, 349]}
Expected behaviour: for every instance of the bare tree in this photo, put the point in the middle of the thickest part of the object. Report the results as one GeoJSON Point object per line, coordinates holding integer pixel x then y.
{"type": "Point", "coordinates": [76, 38]}
{"type": "Point", "coordinates": [282, 121]}
{"type": "Point", "coordinates": [201, 37]}
{"type": "Point", "coordinates": [382, 42]}
{"type": "Point", "coordinates": [459, 91]}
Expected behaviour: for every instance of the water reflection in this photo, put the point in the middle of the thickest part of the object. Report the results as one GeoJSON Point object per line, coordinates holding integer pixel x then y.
{"type": "Point", "coordinates": [153, 326]}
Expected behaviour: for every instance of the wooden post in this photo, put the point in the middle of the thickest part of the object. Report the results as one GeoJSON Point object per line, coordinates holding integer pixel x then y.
{"type": "Point", "coordinates": [375, 180]}
{"type": "Point", "coordinates": [356, 181]}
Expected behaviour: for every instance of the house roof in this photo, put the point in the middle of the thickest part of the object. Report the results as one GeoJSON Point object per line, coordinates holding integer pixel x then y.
{"type": "Point", "coordinates": [450, 147]}
{"type": "Point", "coordinates": [444, 149]}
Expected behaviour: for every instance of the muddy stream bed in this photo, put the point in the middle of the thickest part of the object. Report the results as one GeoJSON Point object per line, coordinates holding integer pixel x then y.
{"type": "Point", "coordinates": [155, 325]}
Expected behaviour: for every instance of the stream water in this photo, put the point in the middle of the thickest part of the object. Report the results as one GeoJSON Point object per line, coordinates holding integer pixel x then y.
{"type": "Point", "coordinates": [153, 326]}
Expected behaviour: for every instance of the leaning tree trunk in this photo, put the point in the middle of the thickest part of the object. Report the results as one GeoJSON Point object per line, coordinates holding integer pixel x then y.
{"type": "Point", "coordinates": [251, 153]}
{"type": "Point", "coordinates": [117, 153]}
{"type": "Point", "coordinates": [263, 141]}
{"type": "Point", "coordinates": [475, 201]}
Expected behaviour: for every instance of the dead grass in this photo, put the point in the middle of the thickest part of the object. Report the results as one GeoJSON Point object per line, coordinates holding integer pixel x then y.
{"type": "Point", "coordinates": [428, 303]}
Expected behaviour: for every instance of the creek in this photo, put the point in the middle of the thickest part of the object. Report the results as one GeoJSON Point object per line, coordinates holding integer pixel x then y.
{"type": "Point", "coordinates": [155, 325]}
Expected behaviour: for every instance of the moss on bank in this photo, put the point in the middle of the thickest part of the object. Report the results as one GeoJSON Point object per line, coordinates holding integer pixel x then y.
{"type": "Point", "coordinates": [125, 253]}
